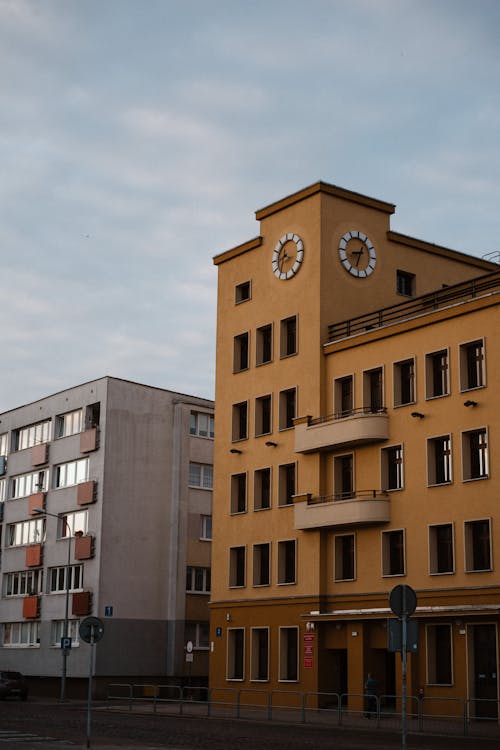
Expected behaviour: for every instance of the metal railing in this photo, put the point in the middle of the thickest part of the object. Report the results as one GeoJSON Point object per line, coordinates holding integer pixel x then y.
{"type": "Point", "coordinates": [351, 495]}
{"type": "Point", "coordinates": [347, 413]}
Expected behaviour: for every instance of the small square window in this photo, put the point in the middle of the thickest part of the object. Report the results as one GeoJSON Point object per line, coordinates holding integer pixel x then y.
{"type": "Point", "coordinates": [405, 283]}
{"type": "Point", "coordinates": [242, 292]}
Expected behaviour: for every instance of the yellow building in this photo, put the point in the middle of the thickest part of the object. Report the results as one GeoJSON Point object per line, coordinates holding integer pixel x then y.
{"type": "Point", "coordinates": [355, 450]}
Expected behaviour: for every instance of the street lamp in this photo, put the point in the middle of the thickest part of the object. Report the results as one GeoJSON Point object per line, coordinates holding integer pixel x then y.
{"type": "Point", "coordinates": [39, 512]}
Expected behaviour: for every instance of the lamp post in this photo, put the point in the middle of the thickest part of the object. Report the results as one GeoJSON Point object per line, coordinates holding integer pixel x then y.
{"type": "Point", "coordinates": [42, 511]}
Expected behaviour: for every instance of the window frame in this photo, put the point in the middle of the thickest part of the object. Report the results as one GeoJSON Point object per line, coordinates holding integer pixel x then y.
{"type": "Point", "coordinates": [75, 418]}
{"type": "Point", "coordinates": [60, 571]}
{"type": "Point", "coordinates": [192, 573]}
{"type": "Point", "coordinates": [385, 538]}
{"type": "Point", "coordinates": [404, 278]}
{"type": "Point", "coordinates": [469, 546]}
{"type": "Point", "coordinates": [231, 672]}
{"type": "Point", "coordinates": [338, 558]}
{"type": "Point", "coordinates": [342, 409]}
{"type": "Point", "coordinates": [434, 553]}
{"type": "Point", "coordinates": [340, 490]}
{"type": "Point", "coordinates": [241, 352]}
{"type": "Point", "coordinates": [432, 461]}
{"type": "Point", "coordinates": [22, 583]}
{"type": "Point", "coordinates": [434, 650]}
{"type": "Point", "coordinates": [31, 626]}
{"type": "Point", "coordinates": [430, 373]}
{"type": "Point", "coordinates": [57, 631]}
{"type": "Point", "coordinates": [194, 428]}
{"type": "Point", "coordinates": [237, 567]}
{"type": "Point", "coordinates": [240, 414]}
{"type": "Point", "coordinates": [263, 415]}
{"type": "Point", "coordinates": [258, 568]}
{"type": "Point", "coordinates": [240, 290]}
{"type": "Point", "coordinates": [403, 381]}
{"type": "Point", "coordinates": [387, 467]}
{"type": "Point", "coordinates": [283, 562]}
{"type": "Point", "coordinates": [261, 343]}
{"type": "Point", "coordinates": [61, 473]}
{"type": "Point", "coordinates": [206, 472]}
{"type": "Point", "coordinates": [373, 395]}
{"type": "Point", "coordinates": [285, 422]}
{"type": "Point", "coordinates": [482, 457]}
{"type": "Point", "coordinates": [236, 481]}
{"type": "Point", "coordinates": [465, 365]}
{"type": "Point", "coordinates": [286, 335]}
{"type": "Point", "coordinates": [206, 527]}
{"type": "Point", "coordinates": [283, 483]}
{"type": "Point", "coordinates": [259, 485]}
{"type": "Point", "coordinates": [255, 656]}
{"type": "Point", "coordinates": [284, 658]}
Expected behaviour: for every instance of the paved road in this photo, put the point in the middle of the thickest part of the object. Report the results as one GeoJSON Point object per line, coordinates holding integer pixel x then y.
{"type": "Point", "coordinates": [48, 725]}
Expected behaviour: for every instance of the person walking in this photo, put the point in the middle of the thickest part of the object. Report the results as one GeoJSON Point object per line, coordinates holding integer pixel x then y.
{"type": "Point", "coordinates": [371, 686]}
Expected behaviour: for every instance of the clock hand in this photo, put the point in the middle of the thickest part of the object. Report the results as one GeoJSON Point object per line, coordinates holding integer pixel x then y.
{"type": "Point", "coordinates": [359, 254]}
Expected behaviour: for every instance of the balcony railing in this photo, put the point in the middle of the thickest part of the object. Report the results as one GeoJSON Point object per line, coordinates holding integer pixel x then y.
{"type": "Point", "coordinates": [356, 508]}
{"type": "Point", "coordinates": [341, 430]}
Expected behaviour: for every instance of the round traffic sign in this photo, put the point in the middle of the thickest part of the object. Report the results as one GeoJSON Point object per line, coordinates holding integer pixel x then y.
{"type": "Point", "coordinates": [189, 647]}
{"type": "Point", "coordinates": [403, 600]}
{"type": "Point", "coordinates": [91, 629]}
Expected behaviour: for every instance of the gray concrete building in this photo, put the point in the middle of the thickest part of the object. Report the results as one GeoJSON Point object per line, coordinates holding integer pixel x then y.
{"type": "Point", "coordinates": [123, 473]}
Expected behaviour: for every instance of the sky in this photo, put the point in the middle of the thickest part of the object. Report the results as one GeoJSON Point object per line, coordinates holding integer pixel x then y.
{"type": "Point", "coordinates": [139, 137]}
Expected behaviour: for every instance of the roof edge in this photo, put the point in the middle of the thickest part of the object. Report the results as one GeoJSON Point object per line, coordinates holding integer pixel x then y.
{"type": "Point", "coordinates": [238, 250]}
{"type": "Point", "coordinates": [430, 247]}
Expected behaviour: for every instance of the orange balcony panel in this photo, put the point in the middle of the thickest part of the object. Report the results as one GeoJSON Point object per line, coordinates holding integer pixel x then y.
{"type": "Point", "coordinates": [34, 556]}
{"type": "Point", "coordinates": [357, 428]}
{"type": "Point", "coordinates": [85, 493]}
{"type": "Point", "coordinates": [81, 603]}
{"type": "Point", "coordinates": [89, 441]}
{"type": "Point", "coordinates": [371, 509]}
{"type": "Point", "coordinates": [84, 547]}
{"type": "Point", "coordinates": [36, 501]}
{"type": "Point", "coordinates": [31, 606]}
{"type": "Point", "coordinates": [40, 454]}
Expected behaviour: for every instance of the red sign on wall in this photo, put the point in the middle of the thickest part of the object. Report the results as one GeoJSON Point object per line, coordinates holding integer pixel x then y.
{"type": "Point", "coordinates": [308, 649]}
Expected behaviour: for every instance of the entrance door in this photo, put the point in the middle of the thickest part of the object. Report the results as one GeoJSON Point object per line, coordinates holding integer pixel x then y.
{"type": "Point", "coordinates": [485, 671]}
{"type": "Point", "coordinates": [339, 672]}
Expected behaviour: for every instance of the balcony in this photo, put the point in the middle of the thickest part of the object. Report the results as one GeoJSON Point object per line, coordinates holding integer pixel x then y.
{"type": "Point", "coordinates": [80, 604]}
{"type": "Point", "coordinates": [40, 454]}
{"type": "Point", "coordinates": [358, 427]}
{"type": "Point", "coordinates": [31, 607]}
{"type": "Point", "coordinates": [33, 556]}
{"type": "Point", "coordinates": [89, 440]}
{"type": "Point", "coordinates": [37, 500]}
{"type": "Point", "coordinates": [84, 547]}
{"type": "Point", "coordinates": [364, 508]}
{"type": "Point", "coordinates": [86, 493]}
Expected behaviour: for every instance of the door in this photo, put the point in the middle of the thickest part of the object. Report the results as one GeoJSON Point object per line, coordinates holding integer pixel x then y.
{"type": "Point", "coordinates": [485, 671]}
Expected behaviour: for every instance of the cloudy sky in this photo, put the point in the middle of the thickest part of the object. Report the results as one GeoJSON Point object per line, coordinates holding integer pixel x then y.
{"type": "Point", "coordinates": [138, 137]}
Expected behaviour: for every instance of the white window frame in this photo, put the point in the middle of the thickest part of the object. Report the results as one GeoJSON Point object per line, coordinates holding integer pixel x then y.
{"type": "Point", "coordinates": [192, 572]}
{"type": "Point", "coordinates": [206, 527]}
{"type": "Point", "coordinates": [481, 366]}
{"type": "Point", "coordinates": [196, 635]}
{"type": "Point", "coordinates": [70, 423]}
{"type": "Point", "coordinates": [4, 443]}
{"type": "Point", "coordinates": [430, 357]}
{"type": "Point", "coordinates": [27, 627]}
{"type": "Point", "coordinates": [25, 533]}
{"type": "Point", "coordinates": [384, 465]}
{"type": "Point", "coordinates": [23, 583]}
{"type": "Point", "coordinates": [60, 574]}
{"type": "Point", "coordinates": [73, 522]}
{"type": "Point", "coordinates": [282, 657]}
{"type": "Point", "coordinates": [197, 421]}
{"type": "Point", "coordinates": [483, 455]}
{"type": "Point", "coordinates": [57, 632]}
{"type": "Point", "coordinates": [431, 461]}
{"type": "Point", "coordinates": [71, 473]}
{"type": "Point", "coordinates": [205, 480]}
{"type": "Point", "coordinates": [24, 485]}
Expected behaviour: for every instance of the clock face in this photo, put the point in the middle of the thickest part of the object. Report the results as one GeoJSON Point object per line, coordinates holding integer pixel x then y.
{"type": "Point", "coordinates": [357, 254]}
{"type": "Point", "coordinates": [288, 256]}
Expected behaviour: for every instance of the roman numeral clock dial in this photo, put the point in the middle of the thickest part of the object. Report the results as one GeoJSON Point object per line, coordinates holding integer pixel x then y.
{"type": "Point", "coordinates": [357, 254]}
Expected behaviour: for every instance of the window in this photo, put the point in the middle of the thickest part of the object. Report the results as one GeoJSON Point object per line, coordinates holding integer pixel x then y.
{"type": "Point", "coordinates": [264, 351]}
{"type": "Point", "coordinates": [477, 545]}
{"type": "Point", "coordinates": [201, 475]}
{"type": "Point", "coordinates": [404, 382]}
{"type": "Point", "coordinates": [27, 437]}
{"type": "Point", "coordinates": [201, 424]}
{"type": "Point", "coordinates": [259, 655]}
{"type": "Point", "coordinates": [392, 467]}
{"type": "Point", "coordinates": [240, 359]}
{"type": "Point", "coordinates": [206, 528]}
{"type": "Point", "coordinates": [242, 292]}
{"type": "Point", "coordinates": [3, 490]}
{"type": "Point", "coordinates": [198, 633]}
{"type": "Point", "coordinates": [287, 561]}
{"type": "Point", "coordinates": [343, 477]}
{"type": "Point", "coordinates": [58, 631]}
{"type": "Point", "coordinates": [441, 548]}
{"type": "Point", "coordinates": [235, 653]}
{"type": "Point", "coordinates": [439, 460]}
{"type": "Point", "coordinates": [261, 563]}
{"type": "Point", "coordinates": [60, 580]}
{"type": "Point", "coordinates": [26, 532]}
{"type": "Point", "coordinates": [71, 473]}
{"type": "Point", "coordinates": [20, 634]}
{"type": "Point", "coordinates": [28, 484]}
{"type": "Point", "coordinates": [436, 374]}
{"type": "Point", "coordinates": [198, 580]}
{"type": "Point", "coordinates": [237, 566]}
{"type": "Point", "coordinates": [405, 283]}
{"type": "Point", "coordinates": [69, 424]}
{"type": "Point", "coordinates": [286, 484]}
{"type": "Point", "coordinates": [343, 396]}
{"type": "Point", "coordinates": [344, 558]}
{"type": "Point", "coordinates": [439, 655]}
{"type": "Point", "coordinates": [239, 493]}
{"type": "Point", "coordinates": [393, 553]}
{"type": "Point", "coordinates": [262, 489]}
{"type": "Point", "coordinates": [373, 390]}
{"type": "Point", "coordinates": [287, 414]}
{"type": "Point", "coordinates": [70, 524]}
{"type": "Point", "coordinates": [263, 415]}
{"type": "Point", "coordinates": [92, 415]}
{"type": "Point", "coordinates": [3, 444]}
{"type": "Point", "coordinates": [475, 454]}
{"type": "Point", "coordinates": [288, 337]}
{"type": "Point", "coordinates": [472, 371]}
{"type": "Point", "coordinates": [240, 421]}
{"type": "Point", "coordinates": [23, 583]}
{"type": "Point", "coordinates": [289, 654]}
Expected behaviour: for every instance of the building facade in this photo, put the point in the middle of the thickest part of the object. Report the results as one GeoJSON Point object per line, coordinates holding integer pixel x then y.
{"type": "Point", "coordinates": [355, 451]}
{"type": "Point", "coordinates": [123, 473]}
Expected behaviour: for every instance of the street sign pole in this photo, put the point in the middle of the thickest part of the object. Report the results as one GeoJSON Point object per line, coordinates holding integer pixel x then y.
{"type": "Point", "coordinates": [89, 697]}
{"type": "Point", "coordinates": [91, 631]}
{"type": "Point", "coordinates": [403, 602]}
{"type": "Point", "coordinates": [403, 657]}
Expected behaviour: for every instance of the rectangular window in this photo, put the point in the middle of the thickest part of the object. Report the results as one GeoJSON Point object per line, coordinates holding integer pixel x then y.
{"type": "Point", "coordinates": [201, 424]}
{"type": "Point", "coordinates": [472, 365]}
{"type": "Point", "coordinates": [259, 656]}
{"type": "Point", "coordinates": [240, 359]}
{"type": "Point", "coordinates": [73, 472]}
{"type": "Point", "coordinates": [26, 532]}
{"type": "Point", "coordinates": [59, 578]}
{"type": "Point", "coordinates": [238, 493]}
{"type": "Point", "coordinates": [20, 634]}
{"type": "Point", "coordinates": [439, 655]}
{"type": "Point", "coordinates": [373, 390]}
{"type": "Point", "coordinates": [198, 633]}
{"type": "Point", "coordinates": [198, 580]}
{"type": "Point", "coordinates": [344, 558]}
{"type": "Point", "coordinates": [262, 489]}
{"type": "Point", "coordinates": [27, 437]}
{"type": "Point", "coordinates": [287, 405]}
{"type": "Point", "coordinates": [242, 292]}
{"type": "Point", "coordinates": [58, 631]}
{"type": "Point", "coordinates": [3, 490]}
{"type": "Point", "coordinates": [286, 482]}
{"type": "Point", "coordinates": [439, 460]}
{"type": "Point", "coordinates": [405, 283]}
{"type": "Point", "coordinates": [23, 583]}
{"type": "Point", "coordinates": [287, 561]}
{"type": "Point", "coordinates": [436, 374]}
{"type": "Point", "coordinates": [404, 382]}
{"type": "Point", "coordinates": [3, 444]}
{"type": "Point", "coordinates": [289, 654]}
{"type": "Point", "coordinates": [441, 555]}
{"type": "Point", "coordinates": [475, 454]}
{"type": "Point", "coordinates": [263, 415]}
{"type": "Point", "coordinates": [235, 653]}
{"type": "Point", "coordinates": [261, 564]}
{"type": "Point", "coordinates": [288, 336]}
{"type": "Point", "coordinates": [343, 396]}
{"type": "Point", "coordinates": [237, 567]}
{"type": "Point", "coordinates": [343, 477]}
{"type": "Point", "coordinates": [69, 424]}
{"type": "Point", "coordinates": [477, 545]}
{"type": "Point", "coordinates": [206, 528]}
{"type": "Point", "coordinates": [70, 524]}
{"type": "Point", "coordinates": [92, 415]}
{"type": "Point", "coordinates": [264, 351]}
{"type": "Point", "coordinates": [393, 553]}
{"type": "Point", "coordinates": [392, 467]}
{"type": "Point", "coordinates": [240, 421]}
{"type": "Point", "coordinates": [28, 484]}
{"type": "Point", "coordinates": [201, 475]}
